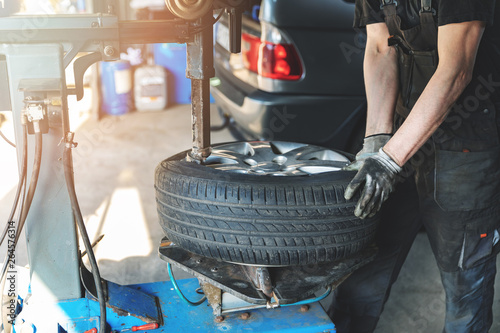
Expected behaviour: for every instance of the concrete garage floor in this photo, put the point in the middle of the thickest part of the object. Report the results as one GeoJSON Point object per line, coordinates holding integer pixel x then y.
{"type": "Point", "coordinates": [114, 168]}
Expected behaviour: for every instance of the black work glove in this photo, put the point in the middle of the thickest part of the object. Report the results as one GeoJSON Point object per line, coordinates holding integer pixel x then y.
{"type": "Point", "coordinates": [378, 175]}
{"type": "Point", "coordinates": [371, 146]}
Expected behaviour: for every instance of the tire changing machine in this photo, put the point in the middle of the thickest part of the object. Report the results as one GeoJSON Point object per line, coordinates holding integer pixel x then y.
{"type": "Point", "coordinates": [61, 295]}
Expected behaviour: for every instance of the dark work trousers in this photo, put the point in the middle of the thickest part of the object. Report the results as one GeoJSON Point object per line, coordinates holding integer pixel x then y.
{"type": "Point", "coordinates": [455, 193]}
{"type": "Point", "coordinates": [359, 301]}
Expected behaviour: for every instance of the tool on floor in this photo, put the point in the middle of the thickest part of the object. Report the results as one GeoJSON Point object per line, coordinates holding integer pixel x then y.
{"type": "Point", "coordinates": [145, 327]}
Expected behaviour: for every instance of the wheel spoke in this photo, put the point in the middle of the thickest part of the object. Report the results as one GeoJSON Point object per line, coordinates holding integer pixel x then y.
{"type": "Point", "coordinates": [262, 151]}
{"type": "Point", "coordinates": [281, 147]}
{"type": "Point", "coordinates": [230, 156]}
{"type": "Point", "coordinates": [236, 149]}
{"type": "Point", "coordinates": [299, 152]}
{"type": "Point", "coordinates": [221, 159]}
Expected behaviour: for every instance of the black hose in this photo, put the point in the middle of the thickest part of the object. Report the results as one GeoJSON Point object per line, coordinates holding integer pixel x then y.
{"type": "Point", "coordinates": [29, 197]}
{"type": "Point", "coordinates": [20, 187]}
{"type": "Point", "coordinates": [33, 182]}
{"type": "Point", "coordinates": [70, 183]}
{"type": "Point", "coordinates": [27, 201]}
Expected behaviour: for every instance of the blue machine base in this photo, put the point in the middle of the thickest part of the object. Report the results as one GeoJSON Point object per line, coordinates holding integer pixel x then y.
{"type": "Point", "coordinates": [179, 317]}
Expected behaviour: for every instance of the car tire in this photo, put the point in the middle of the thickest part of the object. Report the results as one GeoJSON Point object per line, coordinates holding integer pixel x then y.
{"type": "Point", "coordinates": [257, 219]}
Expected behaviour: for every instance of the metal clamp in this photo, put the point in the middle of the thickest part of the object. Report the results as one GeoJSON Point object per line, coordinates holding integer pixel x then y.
{"type": "Point", "coordinates": [388, 3]}
{"type": "Point", "coordinates": [275, 304]}
{"type": "Point", "coordinates": [424, 10]}
{"type": "Point", "coordinates": [426, 7]}
{"type": "Point", "coordinates": [34, 112]}
{"type": "Point", "coordinates": [34, 109]}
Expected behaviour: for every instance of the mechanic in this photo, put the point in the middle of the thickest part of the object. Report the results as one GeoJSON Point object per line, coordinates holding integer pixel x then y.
{"type": "Point", "coordinates": [445, 119]}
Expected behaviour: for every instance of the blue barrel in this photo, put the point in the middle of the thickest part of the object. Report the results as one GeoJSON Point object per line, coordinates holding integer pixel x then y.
{"type": "Point", "coordinates": [173, 58]}
{"type": "Point", "coordinates": [116, 87]}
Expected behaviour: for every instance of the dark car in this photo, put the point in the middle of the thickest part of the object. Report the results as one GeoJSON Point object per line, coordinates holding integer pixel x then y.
{"type": "Point", "coordinates": [298, 76]}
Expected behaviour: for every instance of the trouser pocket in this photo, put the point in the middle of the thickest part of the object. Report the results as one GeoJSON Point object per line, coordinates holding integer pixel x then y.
{"type": "Point", "coordinates": [461, 239]}
{"type": "Point", "coordinates": [479, 243]}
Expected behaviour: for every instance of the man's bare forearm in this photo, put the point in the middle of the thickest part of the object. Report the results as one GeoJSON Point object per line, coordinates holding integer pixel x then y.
{"type": "Point", "coordinates": [427, 114]}
{"type": "Point", "coordinates": [381, 81]}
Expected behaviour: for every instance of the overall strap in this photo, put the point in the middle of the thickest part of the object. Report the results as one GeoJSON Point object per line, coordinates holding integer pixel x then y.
{"type": "Point", "coordinates": [391, 18]}
{"type": "Point", "coordinates": [428, 25]}
{"type": "Point", "coordinates": [426, 7]}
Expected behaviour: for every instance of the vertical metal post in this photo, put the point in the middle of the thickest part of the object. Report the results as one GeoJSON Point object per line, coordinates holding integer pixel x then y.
{"type": "Point", "coordinates": [200, 68]}
{"type": "Point", "coordinates": [200, 118]}
{"type": "Point", "coordinates": [50, 228]}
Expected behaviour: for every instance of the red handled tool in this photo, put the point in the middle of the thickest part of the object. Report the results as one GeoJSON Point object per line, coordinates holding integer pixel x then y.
{"type": "Point", "coordinates": [152, 326]}
{"type": "Point", "coordinates": [94, 330]}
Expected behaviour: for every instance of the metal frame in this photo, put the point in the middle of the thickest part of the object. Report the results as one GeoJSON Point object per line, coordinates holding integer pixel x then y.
{"type": "Point", "coordinates": [54, 264]}
{"type": "Point", "coordinates": [54, 41]}
{"type": "Point", "coordinates": [269, 286]}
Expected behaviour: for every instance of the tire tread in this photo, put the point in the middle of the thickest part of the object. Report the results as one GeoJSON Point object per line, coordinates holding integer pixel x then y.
{"type": "Point", "coordinates": [259, 223]}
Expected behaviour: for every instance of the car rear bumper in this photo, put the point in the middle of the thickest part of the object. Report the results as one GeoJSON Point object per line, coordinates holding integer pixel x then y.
{"type": "Point", "coordinates": [300, 118]}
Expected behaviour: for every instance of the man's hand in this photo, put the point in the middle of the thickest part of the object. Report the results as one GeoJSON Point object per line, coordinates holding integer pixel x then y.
{"type": "Point", "coordinates": [378, 175]}
{"type": "Point", "coordinates": [371, 146]}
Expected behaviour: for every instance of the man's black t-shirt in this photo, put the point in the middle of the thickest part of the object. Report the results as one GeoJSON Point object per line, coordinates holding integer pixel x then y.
{"type": "Point", "coordinates": [447, 11]}
{"type": "Point", "coordinates": [486, 77]}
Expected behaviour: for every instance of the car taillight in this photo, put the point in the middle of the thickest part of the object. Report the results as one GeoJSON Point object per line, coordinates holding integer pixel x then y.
{"type": "Point", "coordinates": [250, 51]}
{"type": "Point", "coordinates": [279, 61]}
